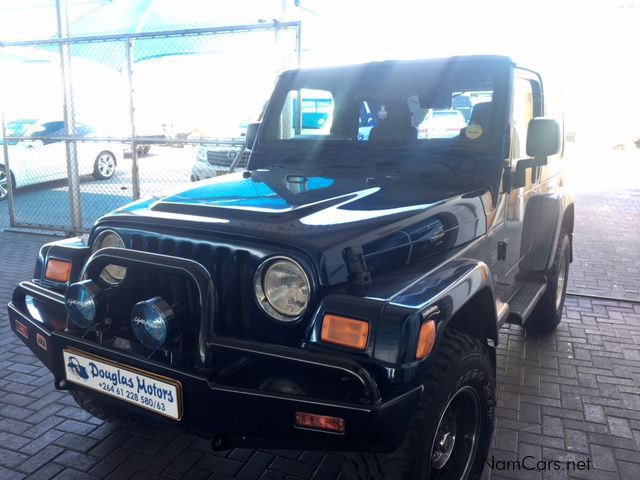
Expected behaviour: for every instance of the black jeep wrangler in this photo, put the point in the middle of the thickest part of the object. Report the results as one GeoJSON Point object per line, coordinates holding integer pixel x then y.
{"type": "Point", "coordinates": [345, 291]}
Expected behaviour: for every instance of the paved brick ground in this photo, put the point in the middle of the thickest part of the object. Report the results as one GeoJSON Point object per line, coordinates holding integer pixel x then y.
{"type": "Point", "coordinates": [572, 395]}
{"type": "Point", "coordinates": [607, 248]}
{"type": "Point", "coordinates": [607, 232]}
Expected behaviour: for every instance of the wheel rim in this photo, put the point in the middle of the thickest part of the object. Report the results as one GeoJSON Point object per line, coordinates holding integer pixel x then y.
{"type": "Point", "coordinates": [3, 185]}
{"type": "Point", "coordinates": [562, 278]}
{"type": "Point", "coordinates": [106, 165]}
{"type": "Point", "coordinates": [455, 444]}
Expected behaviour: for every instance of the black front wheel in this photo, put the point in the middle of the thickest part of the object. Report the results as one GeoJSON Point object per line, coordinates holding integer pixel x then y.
{"type": "Point", "coordinates": [450, 433]}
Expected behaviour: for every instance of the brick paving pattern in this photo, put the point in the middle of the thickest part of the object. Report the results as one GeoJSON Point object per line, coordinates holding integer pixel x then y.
{"type": "Point", "coordinates": [573, 395]}
{"type": "Point", "coordinates": [607, 230]}
{"type": "Point", "coordinates": [607, 244]}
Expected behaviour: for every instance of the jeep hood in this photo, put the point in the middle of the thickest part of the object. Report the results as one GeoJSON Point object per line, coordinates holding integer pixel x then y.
{"type": "Point", "coordinates": [327, 213]}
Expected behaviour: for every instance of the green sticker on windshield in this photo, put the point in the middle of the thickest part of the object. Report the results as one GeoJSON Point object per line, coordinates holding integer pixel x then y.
{"type": "Point", "coordinates": [474, 131]}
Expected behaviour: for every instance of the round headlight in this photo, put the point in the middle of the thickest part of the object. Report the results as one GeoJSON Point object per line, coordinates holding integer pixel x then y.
{"type": "Point", "coordinates": [152, 322]}
{"type": "Point", "coordinates": [81, 302]}
{"type": "Point", "coordinates": [282, 289]}
{"type": "Point", "coordinates": [111, 274]}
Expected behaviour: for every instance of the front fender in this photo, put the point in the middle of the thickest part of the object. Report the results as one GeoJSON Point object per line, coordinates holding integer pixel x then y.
{"type": "Point", "coordinates": [74, 250]}
{"type": "Point", "coordinates": [448, 287]}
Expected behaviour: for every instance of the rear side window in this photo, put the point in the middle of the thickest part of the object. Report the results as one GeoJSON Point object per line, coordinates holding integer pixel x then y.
{"type": "Point", "coordinates": [49, 129]}
{"type": "Point", "coordinates": [306, 112]}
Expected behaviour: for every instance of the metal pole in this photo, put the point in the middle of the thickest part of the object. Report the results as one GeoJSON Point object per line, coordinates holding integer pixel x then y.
{"type": "Point", "coordinates": [7, 172]}
{"type": "Point", "coordinates": [69, 117]}
{"type": "Point", "coordinates": [298, 53]}
{"type": "Point", "coordinates": [237, 158]}
{"type": "Point", "coordinates": [135, 174]}
{"type": "Point", "coordinates": [299, 43]}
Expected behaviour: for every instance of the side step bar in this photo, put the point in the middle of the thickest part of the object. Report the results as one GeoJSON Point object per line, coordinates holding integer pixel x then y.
{"type": "Point", "coordinates": [526, 298]}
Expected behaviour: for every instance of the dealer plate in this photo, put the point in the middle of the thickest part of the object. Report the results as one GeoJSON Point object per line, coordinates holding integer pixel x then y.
{"type": "Point", "coordinates": [147, 390]}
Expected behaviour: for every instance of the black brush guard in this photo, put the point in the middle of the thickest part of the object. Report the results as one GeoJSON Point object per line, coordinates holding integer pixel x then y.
{"type": "Point", "coordinates": [233, 414]}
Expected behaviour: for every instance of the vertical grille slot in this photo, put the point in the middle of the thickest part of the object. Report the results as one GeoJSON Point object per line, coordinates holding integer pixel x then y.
{"type": "Point", "coordinates": [231, 271]}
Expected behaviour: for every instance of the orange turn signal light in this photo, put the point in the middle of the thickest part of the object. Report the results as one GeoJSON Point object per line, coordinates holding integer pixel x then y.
{"type": "Point", "coordinates": [426, 339]}
{"type": "Point", "coordinates": [58, 270]}
{"type": "Point", "coordinates": [320, 422]}
{"type": "Point", "coordinates": [347, 332]}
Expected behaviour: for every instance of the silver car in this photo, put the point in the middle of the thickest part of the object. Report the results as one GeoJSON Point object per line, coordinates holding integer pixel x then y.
{"type": "Point", "coordinates": [212, 161]}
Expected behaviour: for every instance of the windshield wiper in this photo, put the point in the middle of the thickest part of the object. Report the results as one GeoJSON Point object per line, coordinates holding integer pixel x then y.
{"type": "Point", "coordinates": [343, 165]}
{"type": "Point", "coordinates": [308, 152]}
{"type": "Point", "coordinates": [401, 161]}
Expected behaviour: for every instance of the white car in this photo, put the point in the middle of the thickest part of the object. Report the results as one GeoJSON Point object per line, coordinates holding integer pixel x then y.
{"type": "Point", "coordinates": [441, 123]}
{"type": "Point", "coordinates": [42, 160]}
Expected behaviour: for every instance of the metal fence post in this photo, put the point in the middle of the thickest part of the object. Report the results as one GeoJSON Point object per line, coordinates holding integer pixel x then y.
{"type": "Point", "coordinates": [81, 57]}
{"type": "Point", "coordinates": [69, 117]}
{"type": "Point", "coordinates": [7, 172]}
{"type": "Point", "coordinates": [135, 174]}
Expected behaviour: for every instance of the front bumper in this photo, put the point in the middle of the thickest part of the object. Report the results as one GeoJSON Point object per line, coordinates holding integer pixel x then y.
{"type": "Point", "coordinates": [233, 415]}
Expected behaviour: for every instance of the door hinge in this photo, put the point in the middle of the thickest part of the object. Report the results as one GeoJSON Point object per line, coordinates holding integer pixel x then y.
{"type": "Point", "coordinates": [502, 250]}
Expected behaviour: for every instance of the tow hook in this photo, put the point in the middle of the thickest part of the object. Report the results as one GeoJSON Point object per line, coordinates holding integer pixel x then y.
{"type": "Point", "coordinates": [218, 442]}
{"type": "Point", "coordinates": [61, 384]}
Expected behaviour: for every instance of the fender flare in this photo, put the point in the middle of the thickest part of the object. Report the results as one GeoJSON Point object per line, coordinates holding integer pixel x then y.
{"type": "Point", "coordinates": [543, 221]}
{"type": "Point", "coordinates": [440, 294]}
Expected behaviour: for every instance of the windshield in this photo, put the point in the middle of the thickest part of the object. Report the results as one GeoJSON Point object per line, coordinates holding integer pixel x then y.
{"type": "Point", "coordinates": [16, 128]}
{"type": "Point", "coordinates": [366, 114]}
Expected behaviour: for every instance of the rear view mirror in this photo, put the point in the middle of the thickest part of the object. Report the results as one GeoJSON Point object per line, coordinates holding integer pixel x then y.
{"type": "Point", "coordinates": [252, 133]}
{"type": "Point", "coordinates": [543, 137]}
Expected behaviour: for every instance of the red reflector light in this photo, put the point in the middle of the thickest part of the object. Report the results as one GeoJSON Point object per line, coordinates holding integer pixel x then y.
{"type": "Point", "coordinates": [22, 329]}
{"type": "Point", "coordinates": [320, 422]}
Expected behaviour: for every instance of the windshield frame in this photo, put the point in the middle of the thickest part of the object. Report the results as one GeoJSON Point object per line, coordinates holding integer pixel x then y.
{"type": "Point", "coordinates": [268, 150]}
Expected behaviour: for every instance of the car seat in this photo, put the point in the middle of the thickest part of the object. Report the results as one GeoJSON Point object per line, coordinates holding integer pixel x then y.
{"type": "Point", "coordinates": [396, 126]}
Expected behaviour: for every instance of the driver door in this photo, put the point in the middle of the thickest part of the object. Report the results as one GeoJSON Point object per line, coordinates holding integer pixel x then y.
{"type": "Point", "coordinates": [526, 104]}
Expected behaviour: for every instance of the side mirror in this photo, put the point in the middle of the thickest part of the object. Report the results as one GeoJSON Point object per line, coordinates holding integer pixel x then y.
{"type": "Point", "coordinates": [543, 137]}
{"type": "Point", "coordinates": [252, 133]}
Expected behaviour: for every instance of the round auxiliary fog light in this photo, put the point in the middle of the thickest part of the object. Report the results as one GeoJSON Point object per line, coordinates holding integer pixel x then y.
{"type": "Point", "coordinates": [152, 322]}
{"type": "Point", "coordinates": [82, 303]}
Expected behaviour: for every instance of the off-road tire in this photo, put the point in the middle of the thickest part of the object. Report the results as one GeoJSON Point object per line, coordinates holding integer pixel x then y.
{"type": "Point", "coordinates": [461, 361]}
{"type": "Point", "coordinates": [546, 315]}
{"type": "Point", "coordinates": [96, 406]}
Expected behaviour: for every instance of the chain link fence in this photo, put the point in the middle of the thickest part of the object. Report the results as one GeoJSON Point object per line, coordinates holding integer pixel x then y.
{"type": "Point", "coordinates": [92, 123]}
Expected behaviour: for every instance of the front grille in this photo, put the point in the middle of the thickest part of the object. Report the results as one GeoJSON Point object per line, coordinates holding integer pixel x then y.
{"type": "Point", "coordinates": [224, 158]}
{"type": "Point", "coordinates": [230, 268]}
{"type": "Point", "coordinates": [221, 158]}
